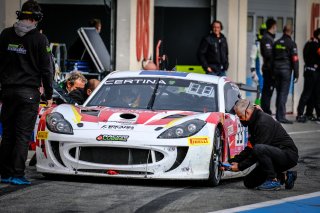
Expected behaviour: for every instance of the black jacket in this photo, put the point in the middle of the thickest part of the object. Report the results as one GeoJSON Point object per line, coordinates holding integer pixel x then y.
{"type": "Point", "coordinates": [266, 51]}
{"type": "Point", "coordinates": [213, 52]}
{"type": "Point", "coordinates": [74, 97]}
{"type": "Point", "coordinates": [311, 54]}
{"type": "Point", "coordinates": [25, 61]}
{"type": "Point", "coordinates": [285, 55]}
{"type": "Point", "coordinates": [263, 129]}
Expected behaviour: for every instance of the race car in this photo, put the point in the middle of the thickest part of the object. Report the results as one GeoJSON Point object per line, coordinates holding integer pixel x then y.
{"type": "Point", "coordinates": [145, 124]}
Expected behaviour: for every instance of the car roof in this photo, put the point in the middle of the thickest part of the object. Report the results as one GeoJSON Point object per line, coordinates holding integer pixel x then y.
{"type": "Point", "coordinates": [165, 74]}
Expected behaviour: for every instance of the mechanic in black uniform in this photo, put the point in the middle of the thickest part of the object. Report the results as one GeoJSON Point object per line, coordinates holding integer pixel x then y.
{"type": "Point", "coordinates": [270, 147]}
{"type": "Point", "coordinates": [213, 51]}
{"type": "Point", "coordinates": [267, 54]}
{"type": "Point", "coordinates": [311, 56]}
{"type": "Point", "coordinates": [25, 62]}
{"type": "Point", "coordinates": [285, 59]}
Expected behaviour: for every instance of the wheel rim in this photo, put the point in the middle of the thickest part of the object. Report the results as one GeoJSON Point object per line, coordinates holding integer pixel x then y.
{"type": "Point", "coordinates": [216, 157]}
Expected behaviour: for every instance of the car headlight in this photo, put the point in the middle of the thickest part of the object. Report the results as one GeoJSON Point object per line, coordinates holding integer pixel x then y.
{"type": "Point", "coordinates": [56, 123]}
{"type": "Point", "coordinates": [183, 130]}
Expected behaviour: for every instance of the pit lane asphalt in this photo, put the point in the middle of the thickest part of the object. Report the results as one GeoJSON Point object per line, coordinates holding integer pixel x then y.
{"type": "Point", "coordinates": [79, 194]}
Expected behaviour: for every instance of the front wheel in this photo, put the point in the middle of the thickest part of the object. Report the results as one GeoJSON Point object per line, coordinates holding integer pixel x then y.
{"type": "Point", "coordinates": [216, 157]}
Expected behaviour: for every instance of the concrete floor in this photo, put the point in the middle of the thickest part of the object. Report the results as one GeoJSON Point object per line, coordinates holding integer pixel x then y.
{"type": "Point", "coordinates": [74, 194]}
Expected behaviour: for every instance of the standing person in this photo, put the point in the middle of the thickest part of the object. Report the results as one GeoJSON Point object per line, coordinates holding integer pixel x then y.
{"type": "Point", "coordinates": [285, 59]}
{"type": "Point", "coordinates": [266, 52]}
{"type": "Point", "coordinates": [270, 146]}
{"type": "Point", "coordinates": [213, 51]}
{"type": "Point", "coordinates": [256, 62]}
{"type": "Point", "coordinates": [311, 56]}
{"type": "Point", "coordinates": [25, 62]}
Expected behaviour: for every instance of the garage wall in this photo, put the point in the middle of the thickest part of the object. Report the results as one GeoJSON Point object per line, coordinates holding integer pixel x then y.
{"type": "Point", "coordinates": [233, 15]}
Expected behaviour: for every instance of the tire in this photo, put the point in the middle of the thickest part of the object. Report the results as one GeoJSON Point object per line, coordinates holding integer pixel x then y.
{"type": "Point", "coordinates": [214, 172]}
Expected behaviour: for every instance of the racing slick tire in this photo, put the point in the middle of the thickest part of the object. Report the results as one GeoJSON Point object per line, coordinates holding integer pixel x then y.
{"type": "Point", "coordinates": [214, 169]}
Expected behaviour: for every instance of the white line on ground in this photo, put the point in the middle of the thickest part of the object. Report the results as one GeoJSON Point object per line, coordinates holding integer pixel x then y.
{"type": "Point", "coordinates": [303, 132]}
{"type": "Point", "coordinates": [269, 203]}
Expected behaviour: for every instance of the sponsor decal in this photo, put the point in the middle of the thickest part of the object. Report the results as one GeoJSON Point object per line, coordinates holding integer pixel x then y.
{"type": "Point", "coordinates": [112, 138]}
{"type": "Point", "coordinates": [117, 127]}
{"type": "Point", "coordinates": [198, 141]}
{"type": "Point", "coordinates": [201, 90]}
{"type": "Point", "coordinates": [151, 81]}
{"type": "Point", "coordinates": [42, 135]}
{"type": "Point", "coordinates": [230, 130]}
{"type": "Point", "coordinates": [18, 48]}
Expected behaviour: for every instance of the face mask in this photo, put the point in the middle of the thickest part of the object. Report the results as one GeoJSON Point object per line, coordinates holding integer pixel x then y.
{"type": "Point", "coordinates": [244, 123]}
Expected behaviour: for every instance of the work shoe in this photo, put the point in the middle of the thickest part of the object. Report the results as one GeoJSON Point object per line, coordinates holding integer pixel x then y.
{"type": "Point", "coordinates": [20, 181]}
{"type": "Point", "coordinates": [270, 185]}
{"type": "Point", "coordinates": [291, 178]}
{"type": "Point", "coordinates": [301, 118]}
{"type": "Point", "coordinates": [6, 180]}
{"type": "Point", "coordinates": [285, 121]}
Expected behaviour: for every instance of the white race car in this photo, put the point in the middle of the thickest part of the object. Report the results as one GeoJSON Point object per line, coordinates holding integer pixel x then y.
{"type": "Point", "coordinates": [145, 124]}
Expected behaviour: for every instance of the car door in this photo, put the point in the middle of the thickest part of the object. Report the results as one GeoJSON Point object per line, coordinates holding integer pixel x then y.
{"type": "Point", "coordinates": [235, 133]}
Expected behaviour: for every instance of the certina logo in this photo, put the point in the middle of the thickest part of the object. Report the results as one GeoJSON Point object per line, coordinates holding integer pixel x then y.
{"type": "Point", "coordinates": [112, 138]}
{"type": "Point", "coordinates": [18, 48]}
{"type": "Point", "coordinates": [117, 127]}
{"type": "Point", "coordinates": [134, 81]}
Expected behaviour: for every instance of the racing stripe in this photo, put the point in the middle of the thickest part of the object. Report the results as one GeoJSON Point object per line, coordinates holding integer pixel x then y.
{"type": "Point", "coordinates": [77, 115]}
{"type": "Point", "coordinates": [215, 117]}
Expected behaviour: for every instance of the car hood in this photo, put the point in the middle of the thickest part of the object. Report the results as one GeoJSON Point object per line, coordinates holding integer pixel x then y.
{"type": "Point", "coordinates": [95, 117]}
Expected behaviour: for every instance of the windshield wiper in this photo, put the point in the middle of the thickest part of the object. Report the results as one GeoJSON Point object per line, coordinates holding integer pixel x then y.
{"type": "Point", "coordinates": [153, 97]}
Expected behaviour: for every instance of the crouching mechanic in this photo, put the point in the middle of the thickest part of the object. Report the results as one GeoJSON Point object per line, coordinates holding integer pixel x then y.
{"type": "Point", "coordinates": [270, 147]}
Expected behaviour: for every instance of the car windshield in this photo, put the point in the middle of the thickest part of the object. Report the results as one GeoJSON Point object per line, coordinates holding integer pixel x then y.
{"type": "Point", "coordinates": [157, 94]}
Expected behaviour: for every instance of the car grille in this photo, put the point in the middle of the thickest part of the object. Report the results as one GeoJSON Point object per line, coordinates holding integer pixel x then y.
{"type": "Point", "coordinates": [116, 155]}
{"type": "Point", "coordinates": [56, 152]}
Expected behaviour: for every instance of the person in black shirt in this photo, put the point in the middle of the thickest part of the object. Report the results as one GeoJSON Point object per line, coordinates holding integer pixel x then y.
{"type": "Point", "coordinates": [267, 54]}
{"type": "Point", "coordinates": [25, 63]}
{"type": "Point", "coordinates": [80, 95]}
{"type": "Point", "coordinates": [311, 56]}
{"type": "Point", "coordinates": [213, 51]}
{"type": "Point", "coordinates": [285, 60]}
{"type": "Point", "coordinates": [269, 146]}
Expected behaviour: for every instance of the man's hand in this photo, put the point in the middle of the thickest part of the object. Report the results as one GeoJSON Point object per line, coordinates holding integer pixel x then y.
{"type": "Point", "coordinates": [209, 69]}
{"type": "Point", "coordinates": [49, 103]}
{"type": "Point", "coordinates": [234, 167]}
{"type": "Point", "coordinates": [295, 80]}
{"type": "Point", "coordinates": [254, 76]}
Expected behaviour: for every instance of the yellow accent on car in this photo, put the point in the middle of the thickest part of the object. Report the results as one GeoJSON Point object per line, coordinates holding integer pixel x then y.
{"type": "Point", "coordinates": [78, 117]}
{"type": "Point", "coordinates": [42, 135]}
{"type": "Point", "coordinates": [198, 141]}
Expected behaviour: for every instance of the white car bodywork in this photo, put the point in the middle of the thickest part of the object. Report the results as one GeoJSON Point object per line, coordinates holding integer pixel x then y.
{"type": "Point", "coordinates": [103, 143]}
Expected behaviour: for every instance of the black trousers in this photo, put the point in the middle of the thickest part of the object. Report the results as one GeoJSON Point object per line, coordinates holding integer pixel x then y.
{"type": "Point", "coordinates": [282, 83]}
{"type": "Point", "coordinates": [272, 161]}
{"type": "Point", "coordinates": [311, 92]}
{"type": "Point", "coordinates": [18, 115]}
{"type": "Point", "coordinates": [267, 91]}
